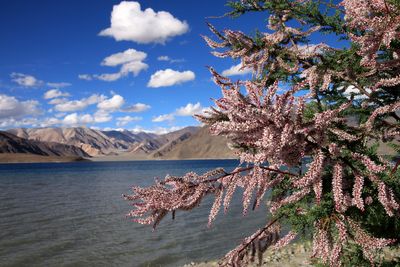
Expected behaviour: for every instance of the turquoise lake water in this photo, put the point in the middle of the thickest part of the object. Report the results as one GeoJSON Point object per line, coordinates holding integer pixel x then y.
{"type": "Point", "coordinates": [72, 214]}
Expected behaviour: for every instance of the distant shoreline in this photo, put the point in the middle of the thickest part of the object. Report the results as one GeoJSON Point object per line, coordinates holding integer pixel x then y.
{"type": "Point", "coordinates": [14, 158]}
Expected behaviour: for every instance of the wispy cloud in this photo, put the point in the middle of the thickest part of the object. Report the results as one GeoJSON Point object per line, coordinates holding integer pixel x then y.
{"type": "Point", "coordinates": [138, 107]}
{"type": "Point", "coordinates": [59, 85]}
{"type": "Point", "coordinates": [165, 117]}
{"type": "Point", "coordinates": [122, 121]}
{"type": "Point", "coordinates": [53, 93]}
{"type": "Point", "coordinates": [25, 80]}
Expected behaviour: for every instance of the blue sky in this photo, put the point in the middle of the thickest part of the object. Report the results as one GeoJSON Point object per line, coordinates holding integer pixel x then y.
{"type": "Point", "coordinates": [110, 64]}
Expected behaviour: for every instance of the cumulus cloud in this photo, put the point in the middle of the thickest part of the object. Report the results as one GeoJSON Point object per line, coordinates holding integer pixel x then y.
{"type": "Point", "coordinates": [189, 110]}
{"type": "Point", "coordinates": [353, 91]}
{"type": "Point", "coordinates": [131, 61]}
{"type": "Point", "coordinates": [59, 85]}
{"type": "Point", "coordinates": [138, 107]}
{"type": "Point", "coordinates": [53, 93]}
{"type": "Point", "coordinates": [11, 122]}
{"type": "Point", "coordinates": [122, 121]}
{"type": "Point", "coordinates": [79, 119]}
{"type": "Point", "coordinates": [120, 58]}
{"type": "Point", "coordinates": [71, 119]}
{"type": "Point", "coordinates": [75, 105]}
{"type": "Point", "coordinates": [25, 80]}
{"type": "Point", "coordinates": [10, 107]}
{"type": "Point", "coordinates": [56, 101]}
{"type": "Point", "coordinates": [165, 117]}
{"type": "Point", "coordinates": [112, 103]}
{"type": "Point", "coordinates": [130, 23]}
{"type": "Point", "coordinates": [86, 118]}
{"type": "Point", "coordinates": [169, 77]}
{"type": "Point", "coordinates": [236, 70]}
{"type": "Point", "coordinates": [102, 116]}
{"type": "Point", "coordinates": [49, 122]}
{"type": "Point", "coordinates": [75, 119]}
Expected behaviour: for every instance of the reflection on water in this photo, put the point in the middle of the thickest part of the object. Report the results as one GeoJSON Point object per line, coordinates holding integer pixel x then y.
{"type": "Point", "coordinates": [72, 214]}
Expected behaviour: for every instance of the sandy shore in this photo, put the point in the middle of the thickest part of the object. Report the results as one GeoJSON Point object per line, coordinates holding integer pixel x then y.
{"type": "Point", "coordinates": [31, 158]}
{"type": "Point", "coordinates": [295, 255]}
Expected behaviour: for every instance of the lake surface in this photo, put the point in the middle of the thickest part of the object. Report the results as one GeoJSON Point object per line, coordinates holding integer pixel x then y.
{"type": "Point", "coordinates": [72, 214]}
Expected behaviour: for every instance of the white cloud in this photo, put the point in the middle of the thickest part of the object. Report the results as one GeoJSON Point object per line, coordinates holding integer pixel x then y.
{"type": "Point", "coordinates": [102, 116]}
{"type": "Point", "coordinates": [189, 110]}
{"type": "Point", "coordinates": [128, 55]}
{"type": "Point", "coordinates": [53, 93]}
{"type": "Point", "coordinates": [56, 101]}
{"type": "Point", "coordinates": [75, 119]}
{"type": "Point", "coordinates": [171, 60]}
{"type": "Point", "coordinates": [59, 85]}
{"type": "Point", "coordinates": [11, 122]}
{"type": "Point", "coordinates": [86, 118]}
{"type": "Point", "coordinates": [60, 114]}
{"type": "Point", "coordinates": [169, 77]}
{"type": "Point", "coordinates": [236, 70]}
{"type": "Point", "coordinates": [108, 77]}
{"type": "Point", "coordinates": [131, 61]}
{"type": "Point", "coordinates": [25, 80]}
{"type": "Point", "coordinates": [112, 103]}
{"type": "Point", "coordinates": [157, 130]}
{"type": "Point", "coordinates": [134, 67]}
{"type": "Point", "coordinates": [49, 122]}
{"type": "Point", "coordinates": [138, 107]}
{"type": "Point", "coordinates": [165, 117]}
{"type": "Point", "coordinates": [71, 119]}
{"type": "Point", "coordinates": [122, 121]}
{"type": "Point", "coordinates": [130, 23]}
{"type": "Point", "coordinates": [10, 107]}
{"type": "Point", "coordinates": [75, 105]}
{"type": "Point", "coordinates": [163, 58]}
{"type": "Point", "coordinates": [352, 90]}
{"type": "Point", "coordinates": [86, 77]}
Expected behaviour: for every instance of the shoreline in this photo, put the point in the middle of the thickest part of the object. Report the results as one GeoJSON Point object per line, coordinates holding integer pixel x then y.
{"type": "Point", "coordinates": [293, 255]}
{"type": "Point", "coordinates": [9, 158]}
{"type": "Point", "coordinates": [16, 158]}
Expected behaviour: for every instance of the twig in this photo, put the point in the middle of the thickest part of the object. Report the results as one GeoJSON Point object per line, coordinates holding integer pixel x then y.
{"type": "Point", "coordinates": [260, 232]}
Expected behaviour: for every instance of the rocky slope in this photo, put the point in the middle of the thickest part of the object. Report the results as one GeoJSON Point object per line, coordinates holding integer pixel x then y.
{"type": "Point", "coordinates": [93, 142]}
{"type": "Point", "coordinates": [12, 144]}
{"type": "Point", "coordinates": [187, 143]}
{"type": "Point", "coordinates": [199, 145]}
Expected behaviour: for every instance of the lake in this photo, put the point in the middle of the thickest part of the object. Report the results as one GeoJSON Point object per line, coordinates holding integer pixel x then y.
{"type": "Point", "coordinates": [72, 214]}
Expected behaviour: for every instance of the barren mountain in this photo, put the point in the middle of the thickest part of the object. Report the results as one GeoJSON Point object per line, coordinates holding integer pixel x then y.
{"type": "Point", "coordinates": [199, 145]}
{"type": "Point", "coordinates": [11, 144]}
{"type": "Point", "coordinates": [93, 142]}
{"type": "Point", "coordinates": [189, 142]}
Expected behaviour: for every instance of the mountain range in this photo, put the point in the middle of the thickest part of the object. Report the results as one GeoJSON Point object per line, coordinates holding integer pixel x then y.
{"type": "Point", "coordinates": [83, 142]}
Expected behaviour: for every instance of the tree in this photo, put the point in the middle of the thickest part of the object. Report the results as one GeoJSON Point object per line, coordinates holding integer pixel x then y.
{"type": "Point", "coordinates": [298, 105]}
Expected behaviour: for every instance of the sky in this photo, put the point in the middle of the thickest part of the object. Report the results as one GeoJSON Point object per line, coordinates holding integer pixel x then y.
{"type": "Point", "coordinates": [137, 65]}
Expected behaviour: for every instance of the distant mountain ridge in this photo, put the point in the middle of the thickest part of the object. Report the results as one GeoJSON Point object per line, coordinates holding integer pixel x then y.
{"type": "Point", "coordinates": [10, 143]}
{"type": "Point", "coordinates": [189, 142]}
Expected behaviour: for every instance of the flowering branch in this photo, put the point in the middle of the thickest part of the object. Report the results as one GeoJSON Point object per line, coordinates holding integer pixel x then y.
{"type": "Point", "coordinates": [273, 126]}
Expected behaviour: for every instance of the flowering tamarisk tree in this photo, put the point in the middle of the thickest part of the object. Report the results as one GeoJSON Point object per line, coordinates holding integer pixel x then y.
{"type": "Point", "coordinates": [305, 100]}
